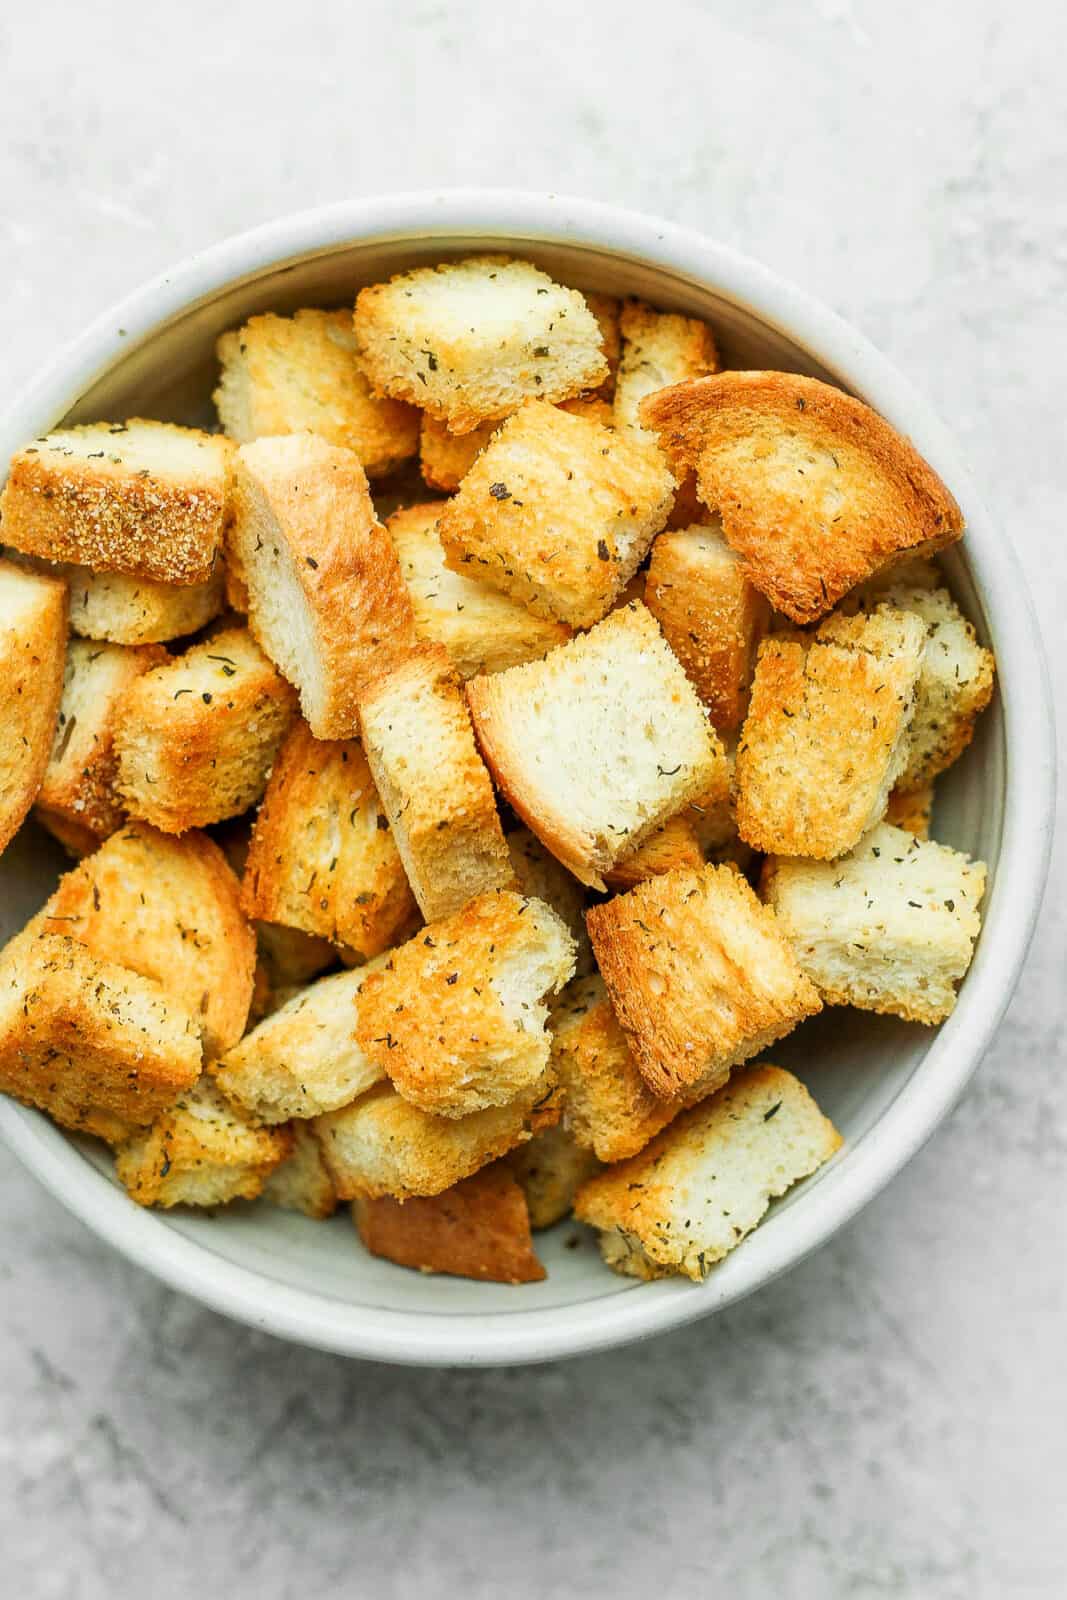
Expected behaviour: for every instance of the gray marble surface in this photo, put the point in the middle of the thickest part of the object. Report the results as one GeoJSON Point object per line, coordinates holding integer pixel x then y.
{"type": "Point", "coordinates": [887, 1420]}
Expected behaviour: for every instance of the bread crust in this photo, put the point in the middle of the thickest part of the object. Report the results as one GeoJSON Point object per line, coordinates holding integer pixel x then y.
{"type": "Point", "coordinates": [33, 638]}
{"type": "Point", "coordinates": [480, 1228]}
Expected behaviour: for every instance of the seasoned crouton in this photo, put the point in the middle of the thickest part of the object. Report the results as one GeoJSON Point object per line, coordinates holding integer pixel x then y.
{"type": "Point", "coordinates": [598, 744]}
{"type": "Point", "coordinates": [911, 809]}
{"type": "Point", "coordinates": [711, 813]}
{"type": "Point", "coordinates": [146, 498]}
{"type": "Point", "coordinates": [382, 1144]}
{"type": "Point", "coordinates": [550, 1170]}
{"type": "Point", "coordinates": [33, 639]}
{"type": "Point", "coordinates": [434, 786]}
{"type": "Point", "coordinates": [197, 736]}
{"type": "Point", "coordinates": [168, 908]}
{"type": "Point", "coordinates": [303, 1059]}
{"type": "Point", "coordinates": [469, 340]}
{"type": "Point", "coordinates": [815, 490]}
{"type": "Point", "coordinates": [826, 736]}
{"type": "Point", "coordinates": [289, 957]}
{"type": "Point", "coordinates": [607, 310]}
{"type": "Point", "coordinates": [445, 458]}
{"type": "Point", "coordinates": [77, 799]}
{"type": "Point", "coordinates": [302, 1182]}
{"type": "Point", "coordinates": [325, 596]}
{"type": "Point", "coordinates": [200, 1152]}
{"type": "Point", "coordinates": [482, 630]}
{"type": "Point", "coordinates": [456, 1016]}
{"type": "Point", "coordinates": [101, 1049]}
{"type": "Point", "coordinates": [540, 877]}
{"type": "Point", "coordinates": [300, 374]}
{"type": "Point", "coordinates": [710, 614]}
{"type": "Point", "coordinates": [695, 1192]}
{"type": "Point", "coordinates": [478, 1229]}
{"type": "Point", "coordinates": [675, 843]}
{"type": "Point", "coordinates": [699, 975]}
{"type": "Point", "coordinates": [558, 512]}
{"type": "Point", "coordinates": [659, 348]}
{"type": "Point", "coordinates": [889, 927]}
{"type": "Point", "coordinates": [122, 610]}
{"type": "Point", "coordinates": [322, 857]}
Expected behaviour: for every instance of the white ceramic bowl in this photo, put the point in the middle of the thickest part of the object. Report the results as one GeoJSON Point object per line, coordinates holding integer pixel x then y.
{"type": "Point", "coordinates": [885, 1083]}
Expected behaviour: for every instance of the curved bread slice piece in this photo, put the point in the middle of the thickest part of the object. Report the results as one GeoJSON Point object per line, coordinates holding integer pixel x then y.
{"type": "Point", "coordinates": [33, 639]}
{"type": "Point", "coordinates": [480, 1228]}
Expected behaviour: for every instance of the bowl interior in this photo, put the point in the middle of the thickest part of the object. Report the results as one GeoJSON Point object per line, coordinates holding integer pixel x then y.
{"type": "Point", "coordinates": [855, 1065]}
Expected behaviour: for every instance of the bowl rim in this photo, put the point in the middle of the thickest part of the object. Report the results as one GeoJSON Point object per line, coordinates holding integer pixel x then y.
{"type": "Point", "coordinates": [490, 1338]}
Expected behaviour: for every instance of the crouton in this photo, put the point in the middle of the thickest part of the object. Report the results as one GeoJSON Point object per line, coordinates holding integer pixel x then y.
{"type": "Point", "coordinates": [445, 458]}
{"type": "Point", "coordinates": [469, 340]}
{"type": "Point", "coordinates": [890, 927]}
{"type": "Point", "coordinates": [289, 957]}
{"type": "Point", "coordinates": [326, 599]}
{"type": "Point", "coordinates": [912, 810]}
{"type": "Point", "coordinates": [303, 1059]}
{"type": "Point", "coordinates": [482, 630]}
{"type": "Point", "coordinates": [434, 786]}
{"type": "Point", "coordinates": [77, 800]}
{"type": "Point", "coordinates": [300, 374]}
{"type": "Point", "coordinates": [322, 857]}
{"type": "Point", "coordinates": [478, 1229]}
{"type": "Point", "coordinates": [558, 512]}
{"type": "Point", "coordinates": [101, 1049]}
{"type": "Point", "coordinates": [200, 1152]}
{"type": "Point", "coordinates": [815, 490]}
{"type": "Point", "coordinates": [598, 744]}
{"type": "Point", "coordinates": [827, 734]}
{"type": "Point", "coordinates": [675, 843]}
{"type": "Point", "coordinates": [302, 1182]}
{"type": "Point", "coordinates": [457, 1016]}
{"type": "Point", "coordinates": [114, 607]}
{"type": "Point", "coordinates": [145, 498]}
{"type": "Point", "coordinates": [540, 877]}
{"type": "Point", "coordinates": [659, 348]}
{"type": "Point", "coordinates": [382, 1144]}
{"type": "Point", "coordinates": [695, 1192]}
{"type": "Point", "coordinates": [710, 614]}
{"type": "Point", "coordinates": [550, 1170]}
{"type": "Point", "coordinates": [608, 1107]}
{"type": "Point", "coordinates": [33, 639]}
{"type": "Point", "coordinates": [607, 310]}
{"type": "Point", "coordinates": [699, 975]}
{"type": "Point", "coordinates": [197, 736]}
{"type": "Point", "coordinates": [169, 909]}
{"type": "Point", "coordinates": [710, 813]}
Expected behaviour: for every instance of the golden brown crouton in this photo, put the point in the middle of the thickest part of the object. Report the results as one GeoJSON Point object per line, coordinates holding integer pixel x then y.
{"type": "Point", "coordinates": [659, 348]}
{"type": "Point", "coordinates": [434, 786]}
{"type": "Point", "coordinates": [711, 812]}
{"type": "Point", "coordinates": [196, 737]}
{"type": "Point", "coordinates": [33, 638]}
{"type": "Point", "coordinates": [326, 599]}
{"type": "Point", "coordinates": [456, 1016]}
{"type": "Point", "coordinates": [694, 1193]}
{"type": "Point", "coordinates": [826, 736]}
{"type": "Point", "coordinates": [478, 1229]}
{"type": "Point", "coordinates": [200, 1152]}
{"type": "Point", "coordinates": [699, 975]}
{"type": "Point", "coordinates": [445, 458]}
{"type": "Point", "coordinates": [598, 744]}
{"type": "Point", "coordinates": [101, 1049]}
{"type": "Point", "coordinates": [558, 512]}
{"type": "Point", "coordinates": [300, 374]}
{"type": "Point", "coordinates": [146, 498]}
{"type": "Point", "coordinates": [551, 1169]}
{"type": "Point", "coordinates": [469, 340]}
{"type": "Point", "coordinates": [606, 309]}
{"type": "Point", "coordinates": [541, 877]}
{"type": "Point", "coordinates": [322, 857]}
{"type": "Point", "coordinates": [122, 610]}
{"type": "Point", "coordinates": [815, 490]}
{"type": "Point", "coordinates": [675, 843]}
{"type": "Point", "coordinates": [911, 809]}
{"type": "Point", "coordinates": [302, 1182]}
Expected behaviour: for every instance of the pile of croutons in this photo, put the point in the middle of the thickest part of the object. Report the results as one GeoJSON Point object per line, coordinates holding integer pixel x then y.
{"type": "Point", "coordinates": [456, 866]}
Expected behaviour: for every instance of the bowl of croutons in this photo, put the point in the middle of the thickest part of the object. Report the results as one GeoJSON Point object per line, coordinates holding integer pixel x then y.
{"type": "Point", "coordinates": [526, 777]}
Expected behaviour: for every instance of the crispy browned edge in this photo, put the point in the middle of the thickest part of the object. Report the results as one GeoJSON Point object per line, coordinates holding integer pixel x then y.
{"type": "Point", "coordinates": [480, 1228]}
{"type": "Point", "coordinates": [34, 723]}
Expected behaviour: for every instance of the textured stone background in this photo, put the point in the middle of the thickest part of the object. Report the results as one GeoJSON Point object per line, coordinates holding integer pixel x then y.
{"type": "Point", "coordinates": [888, 1420]}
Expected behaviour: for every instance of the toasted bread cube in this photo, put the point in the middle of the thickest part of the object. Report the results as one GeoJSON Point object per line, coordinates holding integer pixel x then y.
{"type": "Point", "coordinates": [146, 498]}
{"type": "Point", "coordinates": [710, 614]}
{"type": "Point", "coordinates": [469, 340]}
{"type": "Point", "coordinates": [598, 744]}
{"type": "Point", "coordinates": [482, 630]}
{"type": "Point", "coordinates": [101, 1049]}
{"type": "Point", "coordinates": [912, 810]}
{"type": "Point", "coordinates": [303, 1059]}
{"type": "Point", "coordinates": [197, 736]}
{"type": "Point", "coordinates": [302, 1182]}
{"type": "Point", "coordinates": [711, 813]}
{"type": "Point", "coordinates": [457, 1016]}
{"type": "Point", "coordinates": [815, 490]}
{"type": "Point", "coordinates": [890, 927]}
{"type": "Point", "coordinates": [445, 458]}
{"type": "Point", "coordinates": [480, 1228]}
{"type": "Point", "coordinates": [608, 1107]}
{"type": "Point", "coordinates": [675, 843]}
{"type": "Point", "coordinates": [695, 1192]}
{"type": "Point", "coordinates": [699, 975]}
{"type": "Point", "coordinates": [290, 958]}
{"type": "Point", "coordinates": [659, 348]}
{"type": "Point", "coordinates": [200, 1152]}
{"type": "Point", "coordinates": [33, 640]}
{"type": "Point", "coordinates": [300, 374]}
{"type": "Point", "coordinates": [540, 877]}
{"type": "Point", "coordinates": [114, 607]}
{"type": "Point", "coordinates": [827, 734]}
{"type": "Point", "coordinates": [558, 511]}
{"type": "Point", "coordinates": [607, 311]}
{"type": "Point", "coordinates": [322, 857]}
{"type": "Point", "coordinates": [326, 599]}
{"type": "Point", "coordinates": [77, 800]}
{"type": "Point", "coordinates": [550, 1170]}
{"type": "Point", "coordinates": [382, 1144]}
{"type": "Point", "coordinates": [434, 785]}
